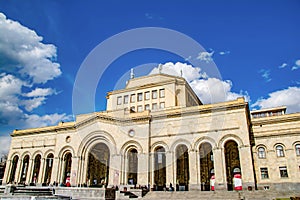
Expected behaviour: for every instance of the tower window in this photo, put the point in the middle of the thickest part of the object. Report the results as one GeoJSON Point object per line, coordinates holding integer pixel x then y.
{"type": "Point", "coordinates": [126, 99]}
{"type": "Point", "coordinates": [147, 95]}
{"type": "Point", "coordinates": [162, 93]}
{"type": "Point", "coordinates": [140, 96]}
{"type": "Point", "coordinates": [119, 100]}
{"type": "Point", "coordinates": [154, 94]}
{"type": "Point", "coordinates": [154, 106]}
{"type": "Point", "coordinates": [132, 98]}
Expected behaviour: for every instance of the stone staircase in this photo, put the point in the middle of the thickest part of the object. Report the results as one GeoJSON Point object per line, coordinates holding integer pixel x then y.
{"type": "Point", "coordinates": [224, 195]}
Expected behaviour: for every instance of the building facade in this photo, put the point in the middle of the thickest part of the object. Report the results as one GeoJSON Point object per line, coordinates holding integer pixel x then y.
{"type": "Point", "coordinates": [157, 131]}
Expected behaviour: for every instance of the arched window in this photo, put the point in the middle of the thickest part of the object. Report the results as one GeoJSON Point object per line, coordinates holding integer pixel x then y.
{"type": "Point", "coordinates": [261, 152]}
{"type": "Point", "coordinates": [297, 148]}
{"type": "Point", "coordinates": [279, 151]}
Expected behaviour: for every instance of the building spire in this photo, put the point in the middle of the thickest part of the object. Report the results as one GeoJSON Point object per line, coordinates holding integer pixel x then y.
{"type": "Point", "coordinates": [131, 73]}
{"type": "Point", "coordinates": [159, 68]}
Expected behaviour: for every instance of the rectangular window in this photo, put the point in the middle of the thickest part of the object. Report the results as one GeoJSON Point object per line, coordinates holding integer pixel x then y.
{"type": "Point", "coordinates": [140, 108]}
{"type": "Point", "coordinates": [147, 107]}
{"type": "Point", "coordinates": [162, 93]}
{"type": "Point", "coordinates": [162, 105]}
{"type": "Point", "coordinates": [264, 173]}
{"type": "Point", "coordinates": [283, 172]}
{"type": "Point", "coordinates": [119, 100]}
{"type": "Point", "coordinates": [126, 99]}
{"type": "Point", "coordinates": [147, 95]}
{"type": "Point", "coordinates": [154, 106]}
{"type": "Point", "coordinates": [140, 96]}
{"type": "Point", "coordinates": [132, 98]}
{"type": "Point", "coordinates": [154, 94]}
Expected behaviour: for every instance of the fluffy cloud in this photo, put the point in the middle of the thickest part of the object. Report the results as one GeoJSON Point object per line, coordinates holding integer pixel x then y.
{"type": "Point", "coordinates": [283, 65]}
{"type": "Point", "coordinates": [206, 56]}
{"type": "Point", "coordinates": [22, 50]}
{"type": "Point", "coordinates": [209, 90]}
{"type": "Point", "coordinates": [40, 92]}
{"type": "Point", "coordinates": [213, 90]}
{"type": "Point", "coordinates": [296, 66]}
{"type": "Point", "coordinates": [289, 97]}
{"type": "Point", "coordinates": [26, 62]}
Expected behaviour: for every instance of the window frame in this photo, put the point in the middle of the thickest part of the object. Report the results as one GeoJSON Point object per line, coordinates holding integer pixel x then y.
{"type": "Point", "coordinates": [147, 94]}
{"type": "Point", "coordinates": [126, 97]}
{"type": "Point", "coordinates": [139, 96]}
{"type": "Point", "coordinates": [297, 149]}
{"type": "Point", "coordinates": [160, 93]}
{"type": "Point", "coordinates": [154, 92]}
{"type": "Point", "coordinates": [261, 154]}
{"type": "Point", "coordinates": [132, 98]}
{"type": "Point", "coordinates": [285, 174]}
{"type": "Point", "coordinates": [279, 150]}
{"type": "Point", "coordinates": [119, 100]}
{"type": "Point", "coordinates": [264, 173]}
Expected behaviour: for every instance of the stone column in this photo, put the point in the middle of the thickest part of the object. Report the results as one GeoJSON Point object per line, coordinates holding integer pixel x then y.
{"type": "Point", "coordinates": [74, 171]}
{"type": "Point", "coordinates": [7, 172]}
{"type": "Point", "coordinates": [193, 171]}
{"type": "Point", "coordinates": [18, 171]}
{"type": "Point", "coordinates": [29, 171]}
{"type": "Point", "coordinates": [114, 170]}
{"type": "Point", "coordinates": [170, 162]}
{"type": "Point", "coordinates": [219, 167]}
{"type": "Point", "coordinates": [142, 169]}
{"type": "Point", "coordinates": [152, 168]}
{"type": "Point", "coordinates": [55, 170]}
{"type": "Point", "coordinates": [246, 167]}
{"type": "Point", "coordinates": [42, 171]}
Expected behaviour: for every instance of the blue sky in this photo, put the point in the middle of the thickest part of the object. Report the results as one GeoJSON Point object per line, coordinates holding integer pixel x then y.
{"type": "Point", "coordinates": [254, 44]}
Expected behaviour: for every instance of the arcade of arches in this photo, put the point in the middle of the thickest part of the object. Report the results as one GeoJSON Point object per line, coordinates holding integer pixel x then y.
{"type": "Point", "coordinates": [98, 170]}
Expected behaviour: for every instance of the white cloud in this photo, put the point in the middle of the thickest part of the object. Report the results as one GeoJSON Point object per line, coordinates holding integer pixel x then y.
{"type": "Point", "coordinates": [188, 71]}
{"type": "Point", "coordinates": [289, 97]}
{"type": "Point", "coordinates": [22, 50]}
{"type": "Point", "coordinates": [296, 66]}
{"type": "Point", "coordinates": [283, 65]}
{"type": "Point", "coordinates": [209, 90]}
{"type": "Point", "coordinates": [205, 56]}
{"type": "Point", "coordinates": [213, 90]}
{"type": "Point", "coordinates": [40, 92]}
{"type": "Point", "coordinates": [224, 53]}
{"type": "Point", "coordinates": [27, 62]}
{"type": "Point", "coordinates": [31, 104]}
{"type": "Point", "coordinates": [265, 74]}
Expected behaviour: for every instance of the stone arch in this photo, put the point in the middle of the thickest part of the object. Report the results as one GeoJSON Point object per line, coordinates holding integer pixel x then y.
{"type": "Point", "coordinates": [38, 152]}
{"type": "Point", "coordinates": [48, 152]}
{"type": "Point", "coordinates": [180, 142]}
{"type": "Point", "coordinates": [159, 143]}
{"type": "Point", "coordinates": [65, 150]}
{"type": "Point", "coordinates": [94, 138]}
{"type": "Point", "coordinates": [228, 137]}
{"type": "Point", "coordinates": [24, 154]}
{"type": "Point", "coordinates": [279, 143]}
{"type": "Point", "coordinates": [15, 159]}
{"type": "Point", "coordinates": [203, 139]}
{"type": "Point", "coordinates": [129, 145]}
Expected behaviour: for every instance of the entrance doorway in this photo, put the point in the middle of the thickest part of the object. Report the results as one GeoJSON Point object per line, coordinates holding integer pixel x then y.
{"type": "Point", "coordinates": [160, 168]}
{"type": "Point", "coordinates": [182, 172]}
{"type": "Point", "coordinates": [206, 165]}
{"type": "Point", "coordinates": [232, 160]}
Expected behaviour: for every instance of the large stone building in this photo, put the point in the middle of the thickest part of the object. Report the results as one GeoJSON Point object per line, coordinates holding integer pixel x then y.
{"type": "Point", "coordinates": [157, 131]}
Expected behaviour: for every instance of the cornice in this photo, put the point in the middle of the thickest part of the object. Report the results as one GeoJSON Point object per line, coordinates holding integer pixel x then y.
{"type": "Point", "coordinates": [276, 119]}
